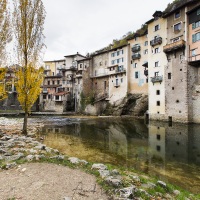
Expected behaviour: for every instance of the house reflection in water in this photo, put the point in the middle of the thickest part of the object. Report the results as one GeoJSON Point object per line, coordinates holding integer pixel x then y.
{"type": "Point", "coordinates": [170, 152]}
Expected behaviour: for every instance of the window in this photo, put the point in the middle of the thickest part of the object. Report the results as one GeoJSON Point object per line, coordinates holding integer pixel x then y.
{"type": "Point", "coordinates": [45, 96]}
{"type": "Point", "coordinates": [136, 75]}
{"type": "Point", "coordinates": [118, 60]}
{"type": "Point", "coordinates": [177, 14]}
{"type": "Point", "coordinates": [122, 59]}
{"type": "Point", "coordinates": [121, 80]}
{"type": "Point", "coordinates": [156, 28]}
{"type": "Point", "coordinates": [112, 54]}
{"type": "Point", "coordinates": [169, 75]}
{"type": "Point", "coordinates": [53, 82]}
{"type": "Point", "coordinates": [146, 43]}
{"type": "Point", "coordinates": [156, 73]}
{"type": "Point", "coordinates": [146, 51]}
{"type": "Point", "coordinates": [104, 85]}
{"type": "Point", "coordinates": [177, 27]}
{"type": "Point", "coordinates": [156, 50]}
{"type": "Point", "coordinates": [113, 62]}
{"type": "Point", "coordinates": [157, 64]}
{"type": "Point", "coordinates": [118, 53]}
{"type": "Point", "coordinates": [158, 103]}
{"type": "Point", "coordinates": [198, 11]}
{"type": "Point", "coordinates": [58, 82]}
{"type": "Point", "coordinates": [57, 97]}
{"type": "Point", "coordinates": [80, 65]}
{"type": "Point", "coordinates": [158, 137]}
{"type": "Point", "coordinates": [48, 83]}
{"type": "Point", "coordinates": [100, 63]}
{"type": "Point", "coordinates": [196, 37]}
{"type": "Point", "coordinates": [122, 51]}
{"type": "Point", "coordinates": [195, 24]}
{"type": "Point", "coordinates": [135, 65]}
{"type": "Point", "coordinates": [193, 52]}
{"type": "Point", "coordinates": [157, 92]}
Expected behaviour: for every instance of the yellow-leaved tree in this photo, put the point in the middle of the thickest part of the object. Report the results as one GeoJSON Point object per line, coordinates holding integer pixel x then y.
{"type": "Point", "coordinates": [29, 94]}
{"type": "Point", "coordinates": [3, 93]}
{"type": "Point", "coordinates": [28, 22]}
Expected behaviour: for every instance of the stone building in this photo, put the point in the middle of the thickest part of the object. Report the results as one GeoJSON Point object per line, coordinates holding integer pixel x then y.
{"type": "Point", "coordinates": [58, 86]}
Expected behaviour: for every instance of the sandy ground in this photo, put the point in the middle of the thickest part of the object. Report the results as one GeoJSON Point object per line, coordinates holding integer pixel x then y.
{"type": "Point", "coordinates": [42, 181]}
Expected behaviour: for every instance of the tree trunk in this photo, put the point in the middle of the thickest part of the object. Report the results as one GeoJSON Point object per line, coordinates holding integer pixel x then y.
{"type": "Point", "coordinates": [24, 131]}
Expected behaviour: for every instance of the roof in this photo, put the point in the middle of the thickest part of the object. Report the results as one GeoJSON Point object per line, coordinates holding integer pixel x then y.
{"type": "Point", "coordinates": [177, 5]}
{"type": "Point", "coordinates": [73, 55]}
{"type": "Point", "coordinates": [61, 93]}
{"type": "Point", "coordinates": [89, 58]}
{"type": "Point", "coordinates": [194, 9]}
{"type": "Point", "coordinates": [61, 60]}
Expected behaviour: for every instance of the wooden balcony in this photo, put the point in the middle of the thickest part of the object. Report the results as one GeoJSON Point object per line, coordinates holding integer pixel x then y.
{"type": "Point", "coordinates": [156, 41]}
{"type": "Point", "coordinates": [174, 46]}
{"type": "Point", "coordinates": [136, 56]}
{"type": "Point", "coordinates": [156, 79]}
{"type": "Point", "coordinates": [194, 60]}
{"type": "Point", "coordinates": [136, 48]}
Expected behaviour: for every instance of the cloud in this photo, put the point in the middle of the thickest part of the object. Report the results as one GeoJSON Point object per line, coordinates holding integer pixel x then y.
{"type": "Point", "coordinates": [87, 25]}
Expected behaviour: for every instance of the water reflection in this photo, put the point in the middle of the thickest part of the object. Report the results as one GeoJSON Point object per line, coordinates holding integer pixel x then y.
{"type": "Point", "coordinates": [171, 153]}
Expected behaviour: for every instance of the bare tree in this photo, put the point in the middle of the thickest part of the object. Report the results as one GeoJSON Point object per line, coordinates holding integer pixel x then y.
{"type": "Point", "coordinates": [5, 29]}
{"type": "Point", "coordinates": [28, 24]}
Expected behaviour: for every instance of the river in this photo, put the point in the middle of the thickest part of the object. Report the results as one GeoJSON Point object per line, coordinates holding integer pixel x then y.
{"type": "Point", "coordinates": [170, 152]}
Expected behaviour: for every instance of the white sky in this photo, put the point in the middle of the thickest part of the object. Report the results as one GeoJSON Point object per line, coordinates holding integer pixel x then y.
{"type": "Point", "coordinates": [87, 25]}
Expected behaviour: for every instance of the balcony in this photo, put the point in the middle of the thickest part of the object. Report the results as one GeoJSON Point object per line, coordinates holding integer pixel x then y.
{"type": "Point", "coordinates": [99, 75]}
{"type": "Point", "coordinates": [116, 84]}
{"type": "Point", "coordinates": [44, 91]}
{"type": "Point", "coordinates": [156, 79]}
{"type": "Point", "coordinates": [120, 70]}
{"type": "Point", "coordinates": [62, 68]}
{"type": "Point", "coordinates": [136, 48]}
{"type": "Point", "coordinates": [174, 46]}
{"type": "Point", "coordinates": [195, 60]}
{"type": "Point", "coordinates": [136, 56]}
{"type": "Point", "coordinates": [73, 68]}
{"type": "Point", "coordinates": [146, 72]}
{"type": "Point", "coordinates": [156, 41]}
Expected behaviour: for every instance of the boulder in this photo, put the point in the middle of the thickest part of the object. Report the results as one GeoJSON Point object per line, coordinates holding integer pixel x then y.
{"type": "Point", "coordinates": [99, 166]}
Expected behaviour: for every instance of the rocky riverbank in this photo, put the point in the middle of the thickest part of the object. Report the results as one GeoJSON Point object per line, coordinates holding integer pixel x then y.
{"type": "Point", "coordinates": [119, 183]}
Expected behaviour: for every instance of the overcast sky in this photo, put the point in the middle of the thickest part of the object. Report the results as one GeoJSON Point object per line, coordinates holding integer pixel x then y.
{"type": "Point", "coordinates": [87, 25]}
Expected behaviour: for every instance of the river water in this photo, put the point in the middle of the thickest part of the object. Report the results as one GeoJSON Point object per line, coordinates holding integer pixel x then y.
{"type": "Point", "coordinates": [170, 152]}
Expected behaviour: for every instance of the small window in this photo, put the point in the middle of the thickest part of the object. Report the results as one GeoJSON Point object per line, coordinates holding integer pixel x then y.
{"type": "Point", "coordinates": [156, 50]}
{"type": "Point", "coordinates": [48, 82]}
{"type": "Point", "coordinates": [158, 103]}
{"type": "Point", "coordinates": [135, 65]}
{"type": "Point", "coordinates": [80, 65]}
{"type": "Point", "coordinates": [156, 73]}
{"type": "Point", "coordinates": [177, 14]}
{"type": "Point", "coordinates": [136, 75]}
{"type": "Point", "coordinates": [169, 75]}
{"type": "Point", "coordinates": [177, 27]}
{"type": "Point", "coordinates": [57, 97]}
{"type": "Point", "coordinates": [146, 43]}
{"type": "Point", "coordinates": [44, 96]}
{"type": "Point", "coordinates": [157, 64]}
{"type": "Point", "coordinates": [157, 92]}
{"type": "Point", "coordinates": [193, 52]}
{"type": "Point", "coordinates": [146, 51]}
{"type": "Point", "coordinates": [157, 27]}
{"type": "Point", "coordinates": [158, 148]}
{"type": "Point", "coordinates": [198, 11]}
{"type": "Point", "coordinates": [121, 80]}
{"type": "Point", "coordinates": [158, 137]}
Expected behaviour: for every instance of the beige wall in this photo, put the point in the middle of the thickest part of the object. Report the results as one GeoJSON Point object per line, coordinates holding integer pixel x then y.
{"type": "Point", "coordinates": [118, 81]}
{"type": "Point", "coordinates": [155, 111]}
{"type": "Point", "coordinates": [138, 85]}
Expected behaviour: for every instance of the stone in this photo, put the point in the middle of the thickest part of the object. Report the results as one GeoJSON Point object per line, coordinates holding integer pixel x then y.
{"type": "Point", "coordinates": [10, 165]}
{"type": "Point", "coordinates": [30, 158]}
{"type": "Point", "coordinates": [40, 147]}
{"type": "Point", "coordinates": [116, 182]}
{"type": "Point", "coordinates": [127, 192]}
{"type": "Point", "coordinates": [59, 157]}
{"type": "Point", "coordinates": [162, 184]}
{"type": "Point", "coordinates": [168, 196]}
{"type": "Point", "coordinates": [148, 185]}
{"type": "Point", "coordinates": [99, 166]}
{"type": "Point", "coordinates": [135, 178]}
{"type": "Point", "coordinates": [176, 192]}
{"type": "Point", "coordinates": [84, 162]}
{"type": "Point", "coordinates": [1, 158]}
{"type": "Point", "coordinates": [115, 172]}
{"type": "Point", "coordinates": [104, 173]}
{"type": "Point", "coordinates": [73, 160]}
{"type": "Point", "coordinates": [33, 151]}
{"type": "Point", "coordinates": [23, 170]}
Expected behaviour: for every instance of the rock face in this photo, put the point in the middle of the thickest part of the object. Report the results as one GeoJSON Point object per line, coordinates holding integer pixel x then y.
{"type": "Point", "coordinates": [133, 104]}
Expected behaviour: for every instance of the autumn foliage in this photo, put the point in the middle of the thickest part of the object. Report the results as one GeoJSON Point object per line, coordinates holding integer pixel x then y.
{"type": "Point", "coordinates": [3, 93]}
